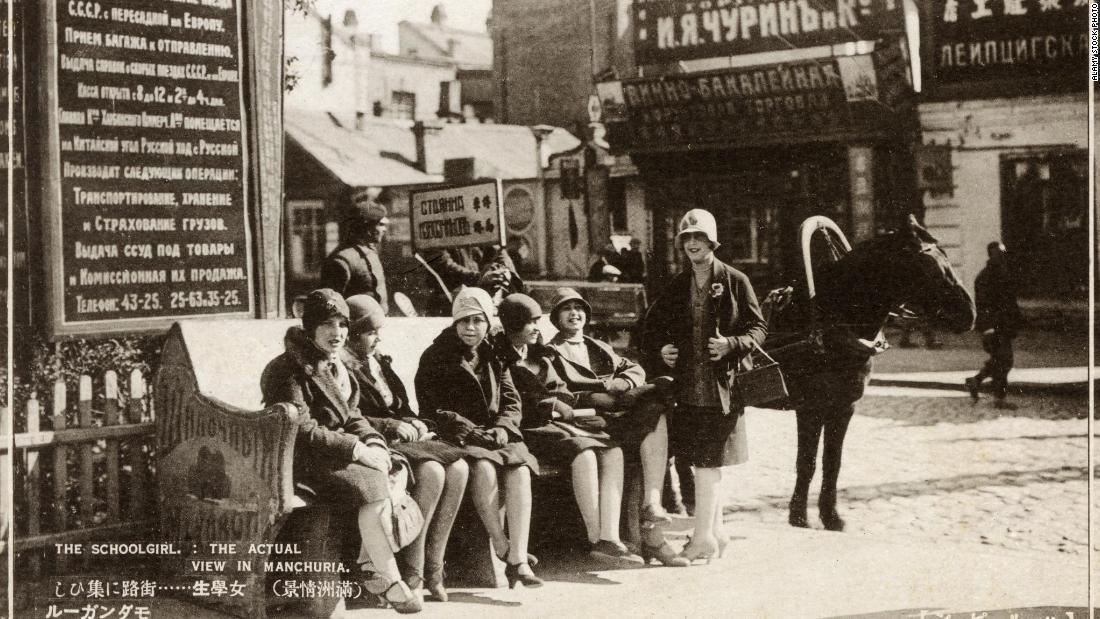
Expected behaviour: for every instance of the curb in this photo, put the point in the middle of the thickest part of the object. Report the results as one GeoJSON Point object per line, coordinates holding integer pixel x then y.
{"type": "Point", "coordinates": [1074, 388]}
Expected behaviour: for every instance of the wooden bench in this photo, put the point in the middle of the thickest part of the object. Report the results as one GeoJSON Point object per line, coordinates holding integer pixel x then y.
{"type": "Point", "coordinates": [225, 465]}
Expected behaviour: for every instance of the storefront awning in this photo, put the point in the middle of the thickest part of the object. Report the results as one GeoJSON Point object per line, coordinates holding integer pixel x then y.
{"type": "Point", "coordinates": [348, 154]}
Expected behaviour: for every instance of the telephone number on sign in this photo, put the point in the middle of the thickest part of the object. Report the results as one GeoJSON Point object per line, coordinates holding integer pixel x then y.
{"type": "Point", "coordinates": [205, 298]}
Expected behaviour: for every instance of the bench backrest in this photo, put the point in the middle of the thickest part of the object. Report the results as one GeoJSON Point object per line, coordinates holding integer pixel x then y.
{"type": "Point", "coordinates": [228, 356]}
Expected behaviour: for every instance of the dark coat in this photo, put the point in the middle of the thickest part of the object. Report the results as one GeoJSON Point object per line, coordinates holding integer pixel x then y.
{"type": "Point", "coordinates": [542, 392]}
{"type": "Point", "coordinates": [348, 272]}
{"type": "Point", "coordinates": [386, 419]}
{"type": "Point", "coordinates": [995, 301]}
{"type": "Point", "coordinates": [324, 448]}
{"type": "Point", "coordinates": [735, 313]}
{"type": "Point", "coordinates": [451, 396]}
{"type": "Point", "coordinates": [608, 370]}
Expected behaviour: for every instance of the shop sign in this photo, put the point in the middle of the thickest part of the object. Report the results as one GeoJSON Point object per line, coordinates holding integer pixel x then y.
{"type": "Point", "coordinates": [145, 165]}
{"type": "Point", "coordinates": [458, 216]}
{"type": "Point", "coordinates": [1007, 39]}
{"type": "Point", "coordinates": [782, 103]}
{"type": "Point", "coordinates": [674, 30]}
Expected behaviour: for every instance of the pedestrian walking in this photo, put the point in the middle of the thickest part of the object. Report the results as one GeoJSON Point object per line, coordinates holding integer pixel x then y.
{"type": "Point", "coordinates": [998, 320]}
{"type": "Point", "coordinates": [355, 267]}
{"type": "Point", "coordinates": [705, 323]}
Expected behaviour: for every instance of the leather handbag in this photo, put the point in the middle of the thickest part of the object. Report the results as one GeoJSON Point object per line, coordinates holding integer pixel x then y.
{"type": "Point", "coordinates": [761, 385]}
{"type": "Point", "coordinates": [405, 519]}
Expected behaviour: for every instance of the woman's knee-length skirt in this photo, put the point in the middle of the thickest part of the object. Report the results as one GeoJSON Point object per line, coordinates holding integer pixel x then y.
{"type": "Point", "coordinates": [429, 451]}
{"type": "Point", "coordinates": [512, 454]}
{"type": "Point", "coordinates": [556, 446]}
{"type": "Point", "coordinates": [353, 484]}
{"type": "Point", "coordinates": [707, 437]}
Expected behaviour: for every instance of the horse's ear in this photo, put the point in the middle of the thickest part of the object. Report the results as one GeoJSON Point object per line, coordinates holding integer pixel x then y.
{"type": "Point", "coordinates": [920, 232]}
{"type": "Point", "coordinates": [912, 222]}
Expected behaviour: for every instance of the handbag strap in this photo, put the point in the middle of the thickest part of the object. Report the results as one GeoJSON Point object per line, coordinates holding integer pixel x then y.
{"type": "Point", "coordinates": [763, 352]}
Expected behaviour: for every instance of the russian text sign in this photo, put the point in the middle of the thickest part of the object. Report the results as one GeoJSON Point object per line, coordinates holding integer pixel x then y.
{"type": "Point", "coordinates": [977, 40]}
{"type": "Point", "coordinates": [459, 216]}
{"type": "Point", "coordinates": [789, 102]}
{"type": "Point", "coordinates": [674, 30]}
{"type": "Point", "coordinates": [146, 164]}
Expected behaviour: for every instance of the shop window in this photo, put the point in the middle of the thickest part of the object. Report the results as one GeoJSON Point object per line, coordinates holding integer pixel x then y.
{"type": "Point", "coordinates": [403, 104]}
{"type": "Point", "coordinates": [745, 222]}
{"type": "Point", "coordinates": [311, 238]}
{"type": "Point", "coordinates": [1044, 215]}
{"type": "Point", "coordinates": [616, 204]}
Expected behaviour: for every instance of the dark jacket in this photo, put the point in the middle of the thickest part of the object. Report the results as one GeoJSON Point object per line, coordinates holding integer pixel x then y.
{"type": "Point", "coordinates": [450, 395]}
{"type": "Point", "coordinates": [384, 418]}
{"type": "Point", "coordinates": [348, 271]}
{"type": "Point", "coordinates": [327, 435]}
{"type": "Point", "coordinates": [609, 371]}
{"type": "Point", "coordinates": [540, 388]}
{"type": "Point", "coordinates": [995, 301]}
{"type": "Point", "coordinates": [735, 313]}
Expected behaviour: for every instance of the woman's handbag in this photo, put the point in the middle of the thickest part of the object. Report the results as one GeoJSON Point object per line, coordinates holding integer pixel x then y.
{"type": "Point", "coordinates": [405, 519]}
{"type": "Point", "coordinates": [761, 385]}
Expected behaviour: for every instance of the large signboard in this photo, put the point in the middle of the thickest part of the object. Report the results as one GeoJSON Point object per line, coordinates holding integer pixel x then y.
{"type": "Point", "coordinates": [783, 103]}
{"type": "Point", "coordinates": [145, 164]}
{"type": "Point", "coordinates": [979, 40]}
{"type": "Point", "coordinates": [674, 30]}
{"type": "Point", "coordinates": [459, 216]}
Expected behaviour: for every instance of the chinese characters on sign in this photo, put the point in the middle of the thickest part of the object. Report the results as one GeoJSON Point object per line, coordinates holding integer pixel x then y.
{"type": "Point", "coordinates": [989, 39]}
{"type": "Point", "coordinates": [798, 101]}
{"type": "Point", "coordinates": [457, 216]}
{"type": "Point", "coordinates": [674, 30]}
{"type": "Point", "coordinates": [151, 149]}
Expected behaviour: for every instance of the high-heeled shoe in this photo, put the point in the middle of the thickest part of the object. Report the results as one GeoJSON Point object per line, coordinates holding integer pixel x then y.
{"type": "Point", "coordinates": [403, 599]}
{"type": "Point", "coordinates": [433, 583]}
{"type": "Point", "coordinates": [532, 560]}
{"type": "Point", "coordinates": [695, 552]}
{"type": "Point", "coordinates": [663, 553]}
{"type": "Point", "coordinates": [514, 575]}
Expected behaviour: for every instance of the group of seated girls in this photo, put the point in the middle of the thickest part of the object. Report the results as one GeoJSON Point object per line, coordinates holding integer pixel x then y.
{"type": "Point", "coordinates": [492, 407]}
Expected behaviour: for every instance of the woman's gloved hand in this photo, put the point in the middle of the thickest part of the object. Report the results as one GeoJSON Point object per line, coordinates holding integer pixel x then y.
{"type": "Point", "coordinates": [375, 457]}
{"type": "Point", "coordinates": [669, 354]}
{"type": "Point", "coordinates": [562, 410]}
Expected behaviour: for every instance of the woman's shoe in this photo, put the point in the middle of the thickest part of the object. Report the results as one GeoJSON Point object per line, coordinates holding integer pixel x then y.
{"type": "Point", "coordinates": [526, 577]}
{"type": "Point", "coordinates": [433, 582]}
{"type": "Point", "coordinates": [698, 551]}
{"type": "Point", "coordinates": [653, 515]}
{"type": "Point", "coordinates": [663, 554]}
{"type": "Point", "coordinates": [723, 542]}
{"type": "Point", "coordinates": [532, 560]}
{"type": "Point", "coordinates": [403, 599]}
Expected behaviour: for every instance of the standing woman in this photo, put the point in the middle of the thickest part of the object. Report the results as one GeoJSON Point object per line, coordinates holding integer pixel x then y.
{"type": "Point", "coordinates": [467, 391]}
{"type": "Point", "coordinates": [440, 471]}
{"type": "Point", "coordinates": [337, 454]}
{"type": "Point", "coordinates": [595, 461]}
{"type": "Point", "coordinates": [705, 323]}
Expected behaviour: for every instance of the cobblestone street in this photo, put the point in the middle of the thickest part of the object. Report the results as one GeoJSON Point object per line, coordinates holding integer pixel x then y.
{"type": "Point", "coordinates": [930, 465]}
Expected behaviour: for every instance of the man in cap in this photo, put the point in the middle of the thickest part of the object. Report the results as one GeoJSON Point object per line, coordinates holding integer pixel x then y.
{"type": "Point", "coordinates": [355, 268]}
{"type": "Point", "coordinates": [998, 320]}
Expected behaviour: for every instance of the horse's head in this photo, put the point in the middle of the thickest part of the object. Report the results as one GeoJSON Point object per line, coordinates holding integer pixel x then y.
{"type": "Point", "coordinates": [925, 279]}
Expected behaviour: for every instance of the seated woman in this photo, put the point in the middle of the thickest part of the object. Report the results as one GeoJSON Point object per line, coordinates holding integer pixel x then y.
{"type": "Point", "coordinates": [468, 393]}
{"type": "Point", "coordinates": [337, 454]}
{"type": "Point", "coordinates": [595, 461]}
{"type": "Point", "coordinates": [610, 383]}
{"type": "Point", "coordinates": [440, 471]}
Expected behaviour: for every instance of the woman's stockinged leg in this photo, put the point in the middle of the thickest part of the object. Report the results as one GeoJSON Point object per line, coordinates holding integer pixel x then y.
{"type": "Point", "coordinates": [426, 493]}
{"type": "Point", "coordinates": [707, 481]}
{"type": "Point", "coordinates": [486, 497]}
{"type": "Point", "coordinates": [654, 454]}
{"type": "Point", "coordinates": [439, 527]}
{"type": "Point", "coordinates": [586, 491]}
{"type": "Point", "coordinates": [611, 492]}
{"type": "Point", "coordinates": [375, 546]}
{"type": "Point", "coordinates": [720, 506]}
{"type": "Point", "coordinates": [517, 481]}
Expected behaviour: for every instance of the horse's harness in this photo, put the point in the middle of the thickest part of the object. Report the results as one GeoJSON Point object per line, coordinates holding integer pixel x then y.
{"type": "Point", "coordinates": [779, 299]}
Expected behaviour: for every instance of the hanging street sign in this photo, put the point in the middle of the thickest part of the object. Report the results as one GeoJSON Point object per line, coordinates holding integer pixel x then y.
{"type": "Point", "coordinates": [458, 216]}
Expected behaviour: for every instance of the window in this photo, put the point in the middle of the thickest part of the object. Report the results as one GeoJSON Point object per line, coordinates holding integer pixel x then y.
{"type": "Point", "coordinates": [403, 104]}
{"type": "Point", "coordinates": [1044, 221]}
{"type": "Point", "coordinates": [616, 203]}
{"type": "Point", "coordinates": [311, 238]}
{"type": "Point", "coordinates": [746, 221]}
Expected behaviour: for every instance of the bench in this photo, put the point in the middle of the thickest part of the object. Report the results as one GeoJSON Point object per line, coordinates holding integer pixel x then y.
{"type": "Point", "coordinates": [225, 464]}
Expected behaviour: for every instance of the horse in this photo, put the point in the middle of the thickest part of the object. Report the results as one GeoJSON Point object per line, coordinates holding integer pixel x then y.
{"type": "Point", "coordinates": [824, 331]}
